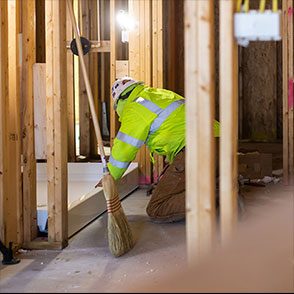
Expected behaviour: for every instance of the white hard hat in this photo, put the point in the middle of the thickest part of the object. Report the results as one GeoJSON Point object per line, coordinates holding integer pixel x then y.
{"type": "Point", "coordinates": [120, 85]}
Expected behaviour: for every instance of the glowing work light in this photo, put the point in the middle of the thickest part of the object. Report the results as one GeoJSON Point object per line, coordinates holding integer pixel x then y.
{"type": "Point", "coordinates": [127, 23]}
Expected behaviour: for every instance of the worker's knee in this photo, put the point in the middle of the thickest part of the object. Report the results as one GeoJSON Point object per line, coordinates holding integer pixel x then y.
{"type": "Point", "coordinates": [172, 209]}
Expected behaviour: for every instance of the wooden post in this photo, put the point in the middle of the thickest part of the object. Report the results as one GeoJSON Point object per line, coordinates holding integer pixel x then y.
{"type": "Point", "coordinates": [285, 92]}
{"type": "Point", "coordinates": [70, 95]}
{"type": "Point", "coordinates": [93, 74]}
{"type": "Point", "coordinates": [56, 122]}
{"type": "Point", "coordinates": [200, 159]}
{"type": "Point", "coordinates": [3, 117]}
{"type": "Point", "coordinates": [290, 92]}
{"type": "Point", "coordinates": [140, 68]}
{"type": "Point", "coordinates": [228, 120]}
{"type": "Point", "coordinates": [13, 197]}
{"type": "Point", "coordinates": [157, 65]}
{"type": "Point", "coordinates": [84, 116]}
{"type": "Point", "coordinates": [114, 125]}
{"type": "Point", "coordinates": [29, 161]}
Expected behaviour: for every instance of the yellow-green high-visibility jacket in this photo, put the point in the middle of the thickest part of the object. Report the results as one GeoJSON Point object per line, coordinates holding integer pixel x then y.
{"type": "Point", "coordinates": [152, 116]}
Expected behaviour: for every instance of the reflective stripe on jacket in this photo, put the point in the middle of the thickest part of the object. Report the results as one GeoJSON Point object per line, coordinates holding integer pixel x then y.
{"type": "Point", "coordinates": [152, 116]}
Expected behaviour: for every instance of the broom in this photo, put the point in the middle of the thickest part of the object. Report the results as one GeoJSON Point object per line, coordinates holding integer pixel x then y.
{"type": "Point", "coordinates": [120, 239]}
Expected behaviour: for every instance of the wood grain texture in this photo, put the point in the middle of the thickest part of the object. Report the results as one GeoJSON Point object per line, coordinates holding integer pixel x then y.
{"type": "Point", "coordinates": [285, 93]}
{"type": "Point", "coordinates": [3, 117]}
{"type": "Point", "coordinates": [56, 121]}
{"type": "Point", "coordinates": [191, 82]}
{"type": "Point", "coordinates": [29, 159]}
{"type": "Point", "coordinates": [84, 109]}
{"type": "Point", "coordinates": [290, 92]}
{"type": "Point", "coordinates": [13, 206]}
{"type": "Point", "coordinates": [70, 95]}
{"type": "Point", "coordinates": [259, 91]}
{"type": "Point", "coordinates": [228, 121]}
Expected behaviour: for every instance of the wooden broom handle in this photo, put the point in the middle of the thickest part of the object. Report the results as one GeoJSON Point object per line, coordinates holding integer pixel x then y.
{"type": "Point", "coordinates": [87, 83]}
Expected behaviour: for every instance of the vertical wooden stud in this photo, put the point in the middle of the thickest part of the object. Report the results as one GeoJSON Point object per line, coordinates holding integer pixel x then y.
{"type": "Point", "coordinates": [228, 120]}
{"type": "Point", "coordinates": [13, 206]}
{"type": "Point", "coordinates": [114, 126]}
{"type": "Point", "coordinates": [56, 121]}
{"type": "Point", "coordinates": [205, 128]}
{"type": "Point", "coordinates": [199, 88]}
{"type": "Point", "coordinates": [157, 65]}
{"type": "Point", "coordinates": [93, 73]}
{"type": "Point", "coordinates": [191, 83]}
{"type": "Point", "coordinates": [285, 93]}
{"type": "Point", "coordinates": [290, 92]}
{"type": "Point", "coordinates": [3, 117]}
{"type": "Point", "coordinates": [140, 68]}
{"type": "Point", "coordinates": [29, 161]}
{"type": "Point", "coordinates": [84, 116]}
{"type": "Point", "coordinates": [70, 94]}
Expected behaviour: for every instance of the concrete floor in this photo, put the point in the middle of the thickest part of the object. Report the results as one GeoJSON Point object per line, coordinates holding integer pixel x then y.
{"type": "Point", "coordinates": [86, 265]}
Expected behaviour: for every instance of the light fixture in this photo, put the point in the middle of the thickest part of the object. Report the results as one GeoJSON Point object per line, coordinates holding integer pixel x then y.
{"type": "Point", "coordinates": [127, 23]}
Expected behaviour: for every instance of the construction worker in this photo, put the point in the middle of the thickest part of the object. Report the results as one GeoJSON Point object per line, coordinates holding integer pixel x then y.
{"type": "Point", "coordinates": [155, 117]}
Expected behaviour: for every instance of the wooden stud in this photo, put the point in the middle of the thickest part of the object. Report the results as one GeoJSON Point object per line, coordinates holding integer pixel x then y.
{"type": "Point", "coordinates": [228, 120]}
{"type": "Point", "coordinates": [114, 125]}
{"type": "Point", "coordinates": [147, 78]}
{"type": "Point", "coordinates": [39, 80]}
{"type": "Point", "coordinates": [13, 207]}
{"type": "Point", "coordinates": [84, 109]}
{"type": "Point", "coordinates": [140, 69]}
{"type": "Point", "coordinates": [70, 95]}
{"type": "Point", "coordinates": [56, 121]}
{"type": "Point", "coordinates": [205, 132]}
{"type": "Point", "coordinates": [199, 35]}
{"type": "Point", "coordinates": [3, 117]}
{"type": "Point", "coordinates": [157, 66]}
{"type": "Point", "coordinates": [191, 83]}
{"type": "Point", "coordinates": [29, 161]}
{"type": "Point", "coordinates": [290, 92]}
{"type": "Point", "coordinates": [285, 92]}
{"type": "Point", "coordinates": [93, 73]}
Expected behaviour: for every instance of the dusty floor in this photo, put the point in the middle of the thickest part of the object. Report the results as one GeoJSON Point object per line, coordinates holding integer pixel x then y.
{"type": "Point", "coordinates": [86, 265]}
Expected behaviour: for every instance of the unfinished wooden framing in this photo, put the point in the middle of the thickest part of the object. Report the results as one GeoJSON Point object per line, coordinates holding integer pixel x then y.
{"type": "Point", "coordinates": [70, 95]}
{"type": "Point", "coordinates": [29, 161]}
{"type": "Point", "coordinates": [288, 118]}
{"type": "Point", "coordinates": [18, 220]}
{"type": "Point", "coordinates": [114, 125]}
{"type": "Point", "coordinates": [228, 120]}
{"type": "Point", "coordinates": [157, 66]}
{"type": "Point", "coordinates": [10, 142]}
{"type": "Point", "coordinates": [200, 158]}
{"type": "Point", "coordinates": [3, 116]}
{"type": "Point", "coordinates": [56, 122]}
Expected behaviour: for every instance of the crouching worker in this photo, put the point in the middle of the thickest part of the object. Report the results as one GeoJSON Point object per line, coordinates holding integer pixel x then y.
{"type": "Point", "coordinates": [155, 117]}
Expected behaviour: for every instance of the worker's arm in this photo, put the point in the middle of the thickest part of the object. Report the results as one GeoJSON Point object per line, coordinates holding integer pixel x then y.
{"type": "Point", "coordinates": [131, 136]}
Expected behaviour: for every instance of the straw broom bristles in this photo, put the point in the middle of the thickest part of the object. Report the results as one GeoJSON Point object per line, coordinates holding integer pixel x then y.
{"type": "Point", "coordinates": [120, 239]}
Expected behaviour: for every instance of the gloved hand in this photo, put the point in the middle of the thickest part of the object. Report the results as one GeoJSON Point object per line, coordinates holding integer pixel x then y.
{"type": "Point", "coordinates": [99, 184]}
